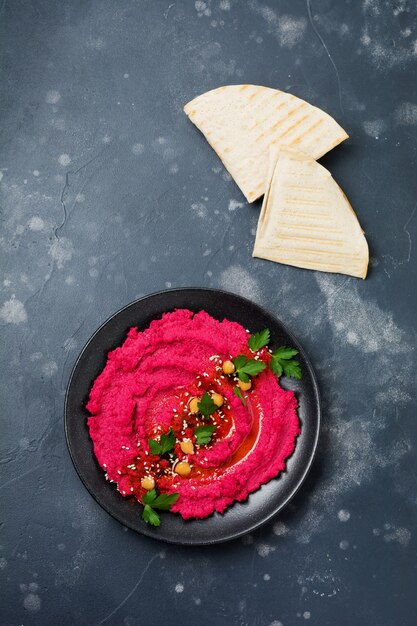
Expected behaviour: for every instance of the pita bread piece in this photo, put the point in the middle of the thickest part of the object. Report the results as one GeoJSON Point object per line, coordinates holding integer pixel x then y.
{"type": "Point", "coordinates": [307, 221]}
{"type": "Point", "coordinates": [241, 122]}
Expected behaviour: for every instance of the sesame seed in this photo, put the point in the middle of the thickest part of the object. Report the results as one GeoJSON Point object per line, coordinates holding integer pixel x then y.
{"type": "Point", "coordinates": [131, 489]}
{"type": "Point", "coordinates": [119, 472]}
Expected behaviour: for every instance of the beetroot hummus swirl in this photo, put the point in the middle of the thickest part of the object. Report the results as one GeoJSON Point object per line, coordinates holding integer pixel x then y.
{"type": "Point", "coordinates": [145, 390]}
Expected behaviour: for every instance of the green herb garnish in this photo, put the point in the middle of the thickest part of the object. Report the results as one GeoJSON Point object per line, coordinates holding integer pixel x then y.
{"type": "Point", "coordinates": [151, 501]}
{"type": "Point", "coordinates": [246, 368]}
{"type": "Point", "coordinates": [164, 445]}
{"type": "Point", "coordinates": [203, 434]}
{"type": "Point", "coordinates": [259, 340]}
{"type": "Point", "coordinates": [282, 362]}
{"type": "Point", "coordinates": [206, 405]}
{"type": "Point", "coordinates": [238, 393]}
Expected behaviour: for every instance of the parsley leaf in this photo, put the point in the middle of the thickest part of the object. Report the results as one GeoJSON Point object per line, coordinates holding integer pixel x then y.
{"type": "Point", "coordinates": [149, 496]}
{"type": "Point", "coordinates": [282, 362]}
{"type": "Point", "coordinates": [238, 393]}
{"type": "Point", "coordinates": [154, 446]}
{"type": "Point", "coordinates": [152, 501]}
{"type": "Point", "coordinates": [164, 445]}
{"type": "Point", "coordinates": [285, 353]}
{"type": "Point", "coordinates": [150, 516]}
{"type": "Point", "coordinates": [245, 368]}
{"type": "Point", "coordinates": [203, 434]}
{"type": "Point", "coordinates": [167, 441]}
{"type": "Point", "coordinates": [206, 405]}
{"type": "Point", "coordinates": [259, 340]}
{"type": "Point", "coordinates": [165, 500]}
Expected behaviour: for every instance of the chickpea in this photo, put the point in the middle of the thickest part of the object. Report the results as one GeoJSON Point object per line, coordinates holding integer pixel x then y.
{"type": "Point", "coordinates": [193, 404]}
{"type": "Point", "coordinates": [217, 399]}
{"type": "Point", "coordinates": [228, 367]}
{"type": "Point", "coordinates": [244, 386]}
{"type": "Point", "coordinates": [183, 468]}
{"type": "Point", "coordinates": [147, 483]}
{"type": "Point", "coordinates": [187, 446]}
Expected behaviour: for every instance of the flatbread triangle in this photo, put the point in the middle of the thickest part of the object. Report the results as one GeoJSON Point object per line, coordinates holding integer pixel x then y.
{"type": "Point", "coordinates": [307, 221]}
{"type": "Point", "coordinates": [242, 122]}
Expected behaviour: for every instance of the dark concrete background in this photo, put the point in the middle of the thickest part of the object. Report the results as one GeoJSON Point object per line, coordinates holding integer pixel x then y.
{"type": "Point", "coordinates": [108, 193]}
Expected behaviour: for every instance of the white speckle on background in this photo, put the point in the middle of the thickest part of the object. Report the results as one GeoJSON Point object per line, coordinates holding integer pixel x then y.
{"type": "Point", "coordinates": [200, 209]}
{"type": "Point", "coordinates": [138, 148]}
{"type": "Point", "coordinates": [80, 197]}
{"type": "Point", "coordinates": [96, 43]}
{"type": "Point", "coordinates": [306, 614]}
{"type": "Point", "coordinates": [374, 128]}
{"type": "Point", "coordinates": [13, 312]}
{"type": "Point", "coordinates": [64, 160]}
{"type": "Point", "coordinates": [49, 369]}
{"type": "Point", "coordinates": [287, 29]}
{"type": "Point", "coordinates": [344, 544]}
{"type": "Point", "coordinates": [200, 5]}
{"type": "Point", "coordinates": [264, 550]}
{"type": "Point", "coordinates": [400, 535]}
{"type": "Point", "coordinates": [32, 603]}
{"type": "Point", "coordinates": [239, 280]}
{"type": "Point", "coordinates": [1, 176]}
{"type": "Point", "coordinates": [58, 123]}
{"type": "Point", "coordinates": [70, 344]}
{"type": "Point", "coordinates": [126, 75]}
{"type": "Point", "coordinates": [36, 173]}
{"type": "Point", "coordinates": [53, 96]}
{"type": "Point", "coordinates": [406, 114]}
{"type": "Point", "coordinates": [365, 39]}
{"type": "Point", "coordinates": [276, 622]}
{"type": "Point", "coordinates": [280, 529]}
{"type": "Point", "coordinates": [179, 587]}
{"type": "Point", "coordinates": [70, 280]}
{"type": "Point", "coordinates": [36, 223]}
{"type": "Point", "coordinates": [343, 515]}
{"type": "Point", "coordinates": [375, 329]}
{"type": "Point", "coordinates": [61, 251]}
{"type": "Point", "coordinates": [266, 577]}
{"type": "Point", "coordinates": [197, 601]}
{"type": "Point", "coordinates": [225, 5]}
{"type": "Point", "coordinates": [106, 139]}
{"type": "Point", "coordinates": [235, 204]}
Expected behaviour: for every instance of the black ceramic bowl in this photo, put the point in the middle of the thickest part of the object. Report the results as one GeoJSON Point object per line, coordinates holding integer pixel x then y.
{"type": "Point", "coordinates": [241, 517]}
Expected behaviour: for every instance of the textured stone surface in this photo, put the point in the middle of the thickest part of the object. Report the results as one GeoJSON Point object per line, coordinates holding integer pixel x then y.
{"type": "Point", "coordinates": [108, 193]}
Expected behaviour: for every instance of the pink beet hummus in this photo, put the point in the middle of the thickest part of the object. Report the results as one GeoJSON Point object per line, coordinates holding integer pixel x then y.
{"type": "Point", "coordinates": [144, 391]}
